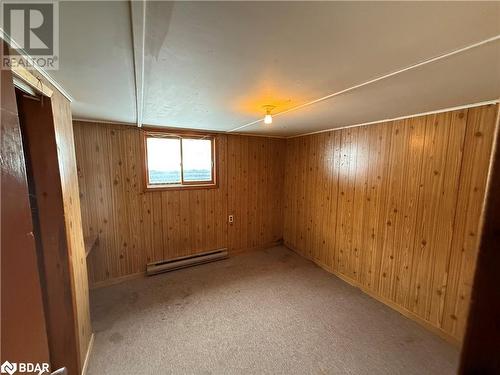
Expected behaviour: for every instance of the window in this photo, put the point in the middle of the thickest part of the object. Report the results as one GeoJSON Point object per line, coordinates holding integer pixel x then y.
{"type": "Point", "coordinates": [179, 161]}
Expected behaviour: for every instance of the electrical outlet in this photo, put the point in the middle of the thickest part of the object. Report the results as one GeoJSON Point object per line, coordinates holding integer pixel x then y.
{"type": "Point", "coordinates": [231, 218]}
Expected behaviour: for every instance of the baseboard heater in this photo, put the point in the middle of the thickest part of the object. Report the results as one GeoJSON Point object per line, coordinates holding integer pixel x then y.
{"type": "Point", "coordinates": [187, 261]}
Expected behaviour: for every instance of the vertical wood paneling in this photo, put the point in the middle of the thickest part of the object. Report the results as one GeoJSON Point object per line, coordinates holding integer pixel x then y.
{"type": "Point", "coordinates": [464, 245]}
{"type": "Point", "coordinates": [137, 227]}
{"type": "Point", "coordinates": [72, 216]}
{"type": "Point", "coordinates": [400, 213]}
{"type": "Point", "coordinates": [255, 193]}
{"type": "Point", "coordinates": [391, 207]}
{"type": "Point", "coordinates": [405, 234]}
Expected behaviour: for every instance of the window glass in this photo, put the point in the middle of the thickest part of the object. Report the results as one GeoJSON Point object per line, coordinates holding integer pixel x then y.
{"type": "Point", "coordinates": [164, 160]}
{"type": "Point", "coordinates": [179, 161]}
{"type": "Point", "coordinates": [197, 159]}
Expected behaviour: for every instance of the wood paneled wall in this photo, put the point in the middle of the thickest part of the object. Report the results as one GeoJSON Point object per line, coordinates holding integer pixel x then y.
{"type": "Point", "coordinates": [137, 227]}
{"type": "Point", "coordinates": [255, 186]}
{"type": "Point", "coordinates": [394, 208]}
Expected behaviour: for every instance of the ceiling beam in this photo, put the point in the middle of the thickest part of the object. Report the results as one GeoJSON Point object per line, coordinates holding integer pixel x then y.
{"type": "Point", "coordinates": [138, 19]}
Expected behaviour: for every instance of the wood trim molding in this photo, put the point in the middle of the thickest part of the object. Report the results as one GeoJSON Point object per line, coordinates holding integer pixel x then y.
{"type": "Point", "coordinates": [39, 129]}
{"type": "Point", "coordinates": [21, 52]}
{"type": "Point", "coordinates": [87, 356]}
{"type": "Point", "coordinates": [183, 185]}
{"type": "Point", "coordinates": [117, 280]}
{"type": "Point", "coordinates": [36, 83]}
{"type": "Point", "coordinates": [236, 252]}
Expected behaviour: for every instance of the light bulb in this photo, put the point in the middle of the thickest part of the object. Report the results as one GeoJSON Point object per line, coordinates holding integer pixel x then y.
{"type": "Point", "coordinates": [268, 118]}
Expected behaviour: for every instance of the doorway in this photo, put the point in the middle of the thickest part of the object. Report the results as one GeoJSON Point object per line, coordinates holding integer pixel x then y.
{"type": "Point", "coordinates": [47, 211]}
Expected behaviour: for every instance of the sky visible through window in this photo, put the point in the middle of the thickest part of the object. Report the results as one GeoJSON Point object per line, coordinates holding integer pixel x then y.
{"type": "Point", "coordinates": [164, 160]}
{"type": "Point", "coordinates": [197, 161]}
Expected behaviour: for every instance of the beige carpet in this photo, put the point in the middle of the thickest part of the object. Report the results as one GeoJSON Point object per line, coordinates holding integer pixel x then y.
{"type": "Point", "coordinates": [264, 312]}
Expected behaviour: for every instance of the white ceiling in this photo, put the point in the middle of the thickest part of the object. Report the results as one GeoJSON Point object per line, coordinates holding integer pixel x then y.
{"type": "Point", "coordinates": [213, 65]}
{"type": "Point", "coordinates": [96, 64]}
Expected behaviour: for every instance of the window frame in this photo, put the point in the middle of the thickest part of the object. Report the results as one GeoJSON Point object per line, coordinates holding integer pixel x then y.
{"type": "Point", "coordinates": [183, 185]}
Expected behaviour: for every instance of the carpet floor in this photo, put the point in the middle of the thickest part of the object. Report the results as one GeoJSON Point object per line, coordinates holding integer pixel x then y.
{"type": "Point", "coordinates": [262, 312]}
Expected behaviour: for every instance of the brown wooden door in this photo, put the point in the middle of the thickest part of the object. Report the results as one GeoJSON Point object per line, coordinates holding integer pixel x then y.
{"type": "Point", "coordinates": [23, 329]}
{"type": "Point", "coordinates": [40, 149]}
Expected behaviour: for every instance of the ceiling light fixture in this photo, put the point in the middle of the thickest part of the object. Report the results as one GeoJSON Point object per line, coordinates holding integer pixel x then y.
{"type": "Point", "coordinates": [268, 118]}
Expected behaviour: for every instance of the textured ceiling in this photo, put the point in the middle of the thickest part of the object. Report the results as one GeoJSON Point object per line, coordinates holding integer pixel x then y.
{"type": "Point", "coordinates": [96, 64]}
{"type": "Point", "coordinates": [214, 65]}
